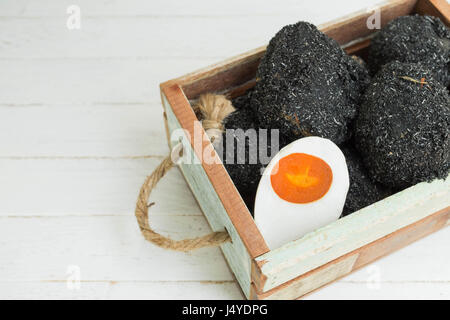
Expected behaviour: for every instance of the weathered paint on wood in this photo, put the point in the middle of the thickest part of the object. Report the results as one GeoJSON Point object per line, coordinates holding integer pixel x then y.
{"type": "Point", "coordinates": [311, 282]}
{"type": "Point", "coordinates": [220, 180]}
{"type": "Point", "coordinates": [352, 232]}
{"type": "Point", "coordinates": [235, 252]}
{"type": "Point", "coordinates": [364, 255]}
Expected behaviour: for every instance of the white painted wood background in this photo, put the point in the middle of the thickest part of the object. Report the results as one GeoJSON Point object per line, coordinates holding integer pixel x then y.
{"type": "Point", "coordinates": [81, 126]}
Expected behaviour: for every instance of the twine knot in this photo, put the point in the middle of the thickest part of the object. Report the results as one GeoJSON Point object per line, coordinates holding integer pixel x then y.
{"type": "Point", "coordinates": [212, 110]}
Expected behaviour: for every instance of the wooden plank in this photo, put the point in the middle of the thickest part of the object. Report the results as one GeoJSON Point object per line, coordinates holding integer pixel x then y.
{"type": "Point", "coordinates": [81, 131]}
{"type": "Point", "coordinates": [299, 287]}
{"type": "Point", "coordinates": [104, 249]}
{"type": "Point", "coordinates": [350, 233]}
{"type": "Point", "coordinates": [231, 73]}
{"type": "Point", "coordinates": [119, 290]}
{"type": "Point", "coordinates": [220, 180]}
{"type": "Point", "coordinates": [385, 291]}
{"type": "Point", "coordinates": [173, 8]}
{"type": "Point", "coordinates": [89, 82]}
{"type": "Point", "coordinates": [45, 38]}
{"type": "Point", "coordinates": [209, 73]}
{"type": "Point", "coordinates": [122, 290]}
{"type": "Point", "coordinates": [120, 254]}
{"type": "Point", "coordinates": [235, 252]}
{"type": "Point", "coordinates": [402, 237]}
{"type": "Point", "coordinates": [437, 8]}
{"type": "Point", "coordinates": [45, 35]}
{"type": "Point", "coordinates": [354, 26]}
{"type": "Point", "coordinates": [356, 259]}
{"type": "Point", "coordinates": [60, 186]}
{"type": "Point", "coordinates": [424, 258]}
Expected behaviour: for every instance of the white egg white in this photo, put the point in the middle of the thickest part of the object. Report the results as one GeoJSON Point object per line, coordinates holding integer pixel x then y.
{"type": "Point", "coordinates": [280, 221]}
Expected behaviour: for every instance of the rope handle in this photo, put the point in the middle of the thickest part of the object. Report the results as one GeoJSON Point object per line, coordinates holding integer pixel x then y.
{"type": "Point", "coordinates": [213, 109]}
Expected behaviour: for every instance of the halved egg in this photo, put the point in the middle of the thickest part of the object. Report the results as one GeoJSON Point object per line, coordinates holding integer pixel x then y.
{"type": "Point", "coordinates": [302, 189]}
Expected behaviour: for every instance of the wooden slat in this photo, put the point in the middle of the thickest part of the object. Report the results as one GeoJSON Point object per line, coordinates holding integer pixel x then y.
{"type": "Point", "coordinates": [209, 31]}
{"type": "Point", "coordinates": [108, 131]}
{"type": "Point", "coordinates": [223, 80]}
{"type": "Point", "coordinates": [105, 248]}
{"type": "Point", "coordinates": [417, 290]}
{"type": "Point", "coordinates": [356, 259]}
{"type": "Point", "coordinates": [121, 290]}
{"type": "Point", "coordinates": [221, 181]}
{"type": "Point", "coordinates": [438, 8]}
{"type": "Point", "coordinates": [87, 186]}
{"type": "Point", "coordinates": [354, 26]}
{"type": "Point", "coordinates": [351, 233]}
{"type": "Point", "coordinates": [70, 82]}
{"type": "Point", "coordinates": [235, 252]}
{"type": "Point", "coordinates": [243, 65]}
{"type": "Point", "coordinates": [139, 9]}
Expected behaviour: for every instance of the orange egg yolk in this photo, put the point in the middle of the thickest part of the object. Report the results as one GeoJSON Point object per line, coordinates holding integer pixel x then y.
{"type": "Point", "coordinates": [301, 178]}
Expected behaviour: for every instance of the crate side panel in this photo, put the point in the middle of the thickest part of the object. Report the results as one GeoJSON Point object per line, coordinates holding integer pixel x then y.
{"type": "Point", "coordinates": [437, 8]}
{"type": "Point", "coordinates": [352, 232]}
{"type": "Point", "coordinates": [218, 176]}
{"type": "Point", "coordinates": [315, 280]}
{"type": "Point", "coordinates": [333, 270]}
{"type": "Point", "coordinates": [235, 253]}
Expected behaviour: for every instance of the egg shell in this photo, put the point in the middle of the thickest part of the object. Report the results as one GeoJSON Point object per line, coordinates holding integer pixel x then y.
{"type": "Point", "coordinates": [280, 221]}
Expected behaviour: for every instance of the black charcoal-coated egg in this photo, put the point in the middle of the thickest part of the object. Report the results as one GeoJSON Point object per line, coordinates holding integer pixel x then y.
{"type": "Point", "coordinates": [362, 191]}
{"type": "Point", "coordinates": [403, 127]}
{"type": "Point", "coordinates": [413, 39]}
{"type": "Point", "coordinates": [245, 150]}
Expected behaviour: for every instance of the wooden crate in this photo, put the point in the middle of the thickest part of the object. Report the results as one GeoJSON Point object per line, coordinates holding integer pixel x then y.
{"type": "Point", "coordinates": [335, 250]}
